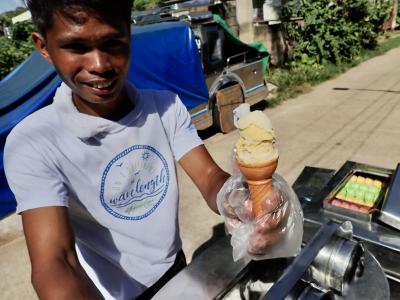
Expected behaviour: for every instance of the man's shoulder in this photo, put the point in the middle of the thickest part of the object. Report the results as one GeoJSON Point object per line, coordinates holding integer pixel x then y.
{"type": "Point", "coordinates": [162, 101]}
{"type": "Point", "coordinates": [158, 96]}
{"type": "Point", "coordinates": [42, 121]}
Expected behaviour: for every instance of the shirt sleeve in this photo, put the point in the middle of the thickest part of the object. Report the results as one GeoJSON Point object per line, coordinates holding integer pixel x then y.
{"type": "Point", "coordinates": [184, 135]}
{"type": "Point", "coordinates": [32, 179]}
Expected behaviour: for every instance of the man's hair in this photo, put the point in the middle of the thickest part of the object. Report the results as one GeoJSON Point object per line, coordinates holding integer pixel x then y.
{"type": "Point", "coordinates": [43, 10]}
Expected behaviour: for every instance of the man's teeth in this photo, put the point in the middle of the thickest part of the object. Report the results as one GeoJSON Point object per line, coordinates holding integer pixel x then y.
{"type": "Point", "coordinates": [101, 85]}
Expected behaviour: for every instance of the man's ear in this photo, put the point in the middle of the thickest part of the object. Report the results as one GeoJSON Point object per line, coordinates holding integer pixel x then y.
{"type": "Point", "coordinates": [40, 44]}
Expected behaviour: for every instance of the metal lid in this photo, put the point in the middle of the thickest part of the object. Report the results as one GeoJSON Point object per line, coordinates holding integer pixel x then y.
{"type": "Point", "coordinates": [390, 211]}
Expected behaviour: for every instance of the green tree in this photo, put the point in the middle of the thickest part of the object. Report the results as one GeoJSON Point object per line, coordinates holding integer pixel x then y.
{"type": "Point", "coordinates": [335, 30]}
{"type": "Point", "coordinates": [141, 5]}
{"type": "Point", "coordinates": [15, 50]}
{"type": "Point", "coordinates": [5, 20]}
{"type": "Point", "coordinates": [22, 31]}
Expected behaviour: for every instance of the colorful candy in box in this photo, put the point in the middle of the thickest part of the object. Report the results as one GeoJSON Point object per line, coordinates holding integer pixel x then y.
{"type": "Point", "coordinates": [360, 193]}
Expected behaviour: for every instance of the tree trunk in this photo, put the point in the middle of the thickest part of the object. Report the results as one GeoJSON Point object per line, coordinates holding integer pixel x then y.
{"type": "Point", "coordinates": [393, 15]}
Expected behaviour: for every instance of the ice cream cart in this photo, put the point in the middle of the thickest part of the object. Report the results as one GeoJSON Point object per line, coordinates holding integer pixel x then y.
{"type": "Point", "coordinates": [348, 252]}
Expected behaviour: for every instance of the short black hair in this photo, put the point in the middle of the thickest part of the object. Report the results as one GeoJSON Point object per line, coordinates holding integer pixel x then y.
{"type": "Point", "coordinates": [42, 10]}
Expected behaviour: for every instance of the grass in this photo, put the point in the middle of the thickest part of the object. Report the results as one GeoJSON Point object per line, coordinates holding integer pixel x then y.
{"type": "Point", "coordinates": [300, 78]}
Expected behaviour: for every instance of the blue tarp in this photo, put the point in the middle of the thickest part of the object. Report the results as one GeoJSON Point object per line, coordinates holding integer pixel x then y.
{"type": "Point", "coordinates": [164, 57]}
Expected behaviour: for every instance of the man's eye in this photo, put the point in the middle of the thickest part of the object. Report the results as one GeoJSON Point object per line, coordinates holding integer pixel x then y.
{"type": "Point", "coordinates": [76, 47]}
{"type": "Point", "coordinates": [113, 44]}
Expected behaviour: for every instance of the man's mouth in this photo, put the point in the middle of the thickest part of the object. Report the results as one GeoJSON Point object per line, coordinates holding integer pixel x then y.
{"type": "Point", "coordinates": [102, 85]}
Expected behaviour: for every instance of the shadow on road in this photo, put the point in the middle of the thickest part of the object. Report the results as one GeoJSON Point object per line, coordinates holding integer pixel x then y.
{"type": "Point", "coordinates": [207, 133]}
{"type": "Point", "coordinates": [366, 90]}
{"type": "Point", "coordinates": [218, 233]}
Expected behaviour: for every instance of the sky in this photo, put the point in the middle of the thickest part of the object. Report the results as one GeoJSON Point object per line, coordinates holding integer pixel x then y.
{"type": "Point", "coordinates": [6, 5]}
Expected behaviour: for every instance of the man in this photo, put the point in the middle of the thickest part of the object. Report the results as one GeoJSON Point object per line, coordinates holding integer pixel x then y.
{"type": "Point", "coordinates": [96, 169]}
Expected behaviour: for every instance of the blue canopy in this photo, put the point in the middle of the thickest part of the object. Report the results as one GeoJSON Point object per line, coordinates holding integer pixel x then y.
{"type": "Point", "coordinates": [164, 56]}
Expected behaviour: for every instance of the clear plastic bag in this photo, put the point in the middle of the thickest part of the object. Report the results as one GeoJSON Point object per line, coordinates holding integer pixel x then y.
{"type": "Point", "coordinates": [276, 233]}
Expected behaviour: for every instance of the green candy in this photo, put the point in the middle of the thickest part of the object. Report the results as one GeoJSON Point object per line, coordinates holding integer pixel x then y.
{"type": "Point", "coordinates": [351, 192]}
{"type": "Point", "coordinates": [374, 189]}
{"type": "Point", "coordinates": [370, 197]}
{"type": "Point", "coordinates": [352, 185]}
{"type": "Point", "coordinates": [360, 195]}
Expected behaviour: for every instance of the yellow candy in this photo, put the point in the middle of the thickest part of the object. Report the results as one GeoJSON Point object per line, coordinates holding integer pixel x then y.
{"type": "Point", "coordinates": [378, 183]}
{"type": "Point", "coordinates": [341, 195]}
{"type": "Point", "coordinates": [353, 178]}
{"type": "Point", "coordinates": [369, 181]}
{"type": "Point", "coordinates": [360, 180]}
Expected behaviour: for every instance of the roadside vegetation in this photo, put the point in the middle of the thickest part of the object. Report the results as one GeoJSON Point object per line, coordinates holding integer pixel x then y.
{"type": "Point", "coordinates": [329, 40]}
{"type": "Point", "coordinates": [16, 48]}
{"type": "Point", "coordinates": [141, 5]}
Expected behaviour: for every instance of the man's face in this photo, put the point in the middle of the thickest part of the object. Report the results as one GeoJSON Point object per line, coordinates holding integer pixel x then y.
{"type": "Point", "coordinates": [90, 54]}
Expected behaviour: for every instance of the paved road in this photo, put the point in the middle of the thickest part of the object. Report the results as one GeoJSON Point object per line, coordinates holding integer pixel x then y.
{"type": "Point", "coordinates": [322, 128]}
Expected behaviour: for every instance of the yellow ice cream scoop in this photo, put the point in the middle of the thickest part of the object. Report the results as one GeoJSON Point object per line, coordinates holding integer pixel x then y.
{"type": "Point", "coordinates": [257, 139]}
{"type": "Point", "coordinates": [257, 156]}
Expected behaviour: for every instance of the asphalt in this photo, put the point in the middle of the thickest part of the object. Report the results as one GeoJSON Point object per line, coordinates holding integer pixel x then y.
{"type": "Point", "coordinates": [352, 117]}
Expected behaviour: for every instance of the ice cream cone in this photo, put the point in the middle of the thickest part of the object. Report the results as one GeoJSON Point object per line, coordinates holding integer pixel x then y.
{"type": "Point", "coordinates": [259, 179]}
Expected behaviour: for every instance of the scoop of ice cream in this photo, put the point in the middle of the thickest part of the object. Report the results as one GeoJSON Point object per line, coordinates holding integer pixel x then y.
{"type": "Point", "coordinates": [257, 139]}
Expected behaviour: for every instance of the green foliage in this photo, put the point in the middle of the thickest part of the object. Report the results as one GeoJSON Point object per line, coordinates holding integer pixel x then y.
{"type": "Point", "coordinates": [21, 31]}
{"type": "Point", "coordinates": [5, 20]}
{"type": "Point", "coordinates": [141, 5]}
{"type": "Point", "coordinates": [15, 50]}
{"type": "Point", "coordinates": [335, 30]}
{"type": "Point", "coordinates": [12, 53]}
{"type": "Point", "coordinates": [299, 77]}
{"type": "Point", "coordinates": [15, 12]}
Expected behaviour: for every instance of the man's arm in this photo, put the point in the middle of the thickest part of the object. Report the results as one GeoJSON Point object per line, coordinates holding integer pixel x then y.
{"type": "Point", "coordinates": [56, 271]}
{"type": "Point", "coordinates": [205, 173]}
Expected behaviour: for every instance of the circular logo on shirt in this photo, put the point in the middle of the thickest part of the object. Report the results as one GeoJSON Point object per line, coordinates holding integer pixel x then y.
{"type": "Point", "coordinates": [134, 183]}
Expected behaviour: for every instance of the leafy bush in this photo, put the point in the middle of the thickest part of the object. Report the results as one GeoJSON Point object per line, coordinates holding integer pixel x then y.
{"type": "Point", "coordinates": [335, 30]}
{"type": "Point", "coordinates": [22, 31]}
{"type": "Point", "coordinates": [146, 4]}
{"type": "Point", "coordinates": [300, 78]}
{"type": "Point", "coordinates": [15, 50]}
{"type": "Point", "coordinates": [12, 54]}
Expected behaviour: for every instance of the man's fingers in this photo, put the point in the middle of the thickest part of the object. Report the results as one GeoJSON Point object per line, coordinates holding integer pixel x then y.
{"type": "Point", "coordinates": [233, 224]}
{"type": "Point", "coordinates": [269, 229]}
{"type": "Point", "coordinates": [272, 201]}
{"type": "Point", "coordinates": [272, 221]}
{"type": "Point", "coordinates": [259, 244]}
{"type": "Point", "coordinates": [228, 209]}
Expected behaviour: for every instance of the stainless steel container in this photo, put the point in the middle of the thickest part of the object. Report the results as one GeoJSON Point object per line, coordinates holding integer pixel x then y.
{"type": "Point", "coordinates": [336, 264]}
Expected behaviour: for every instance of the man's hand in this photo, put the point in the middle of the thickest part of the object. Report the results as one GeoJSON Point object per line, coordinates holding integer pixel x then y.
{"type": "Point", "coordinates": [268, 227]}
{"type": "Point", "coordinates": [266, 230]}
{"type": "Point", "coordinates": [229, 195]}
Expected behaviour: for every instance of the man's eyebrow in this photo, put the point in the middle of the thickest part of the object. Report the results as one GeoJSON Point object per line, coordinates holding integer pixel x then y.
{"type": "Point", "coordinates": [74, 39]}
{"type": "Point", "coordinates": [71, 40]}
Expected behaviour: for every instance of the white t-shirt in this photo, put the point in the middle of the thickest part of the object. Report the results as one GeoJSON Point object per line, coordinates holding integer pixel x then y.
{"type": "Point", "coordinates": [117, 178]}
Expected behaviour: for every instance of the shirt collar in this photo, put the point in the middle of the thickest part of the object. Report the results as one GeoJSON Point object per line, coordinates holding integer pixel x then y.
{"type": "Point", "coordinates": [86, 126]}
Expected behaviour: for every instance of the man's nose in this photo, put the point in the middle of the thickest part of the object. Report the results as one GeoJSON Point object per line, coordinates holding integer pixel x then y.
{"type": "Point", "coordinates": [98, 62]}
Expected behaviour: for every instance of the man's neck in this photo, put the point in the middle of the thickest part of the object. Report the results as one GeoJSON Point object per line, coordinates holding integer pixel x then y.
{"type": "Point", "coordinates": [113, 110]}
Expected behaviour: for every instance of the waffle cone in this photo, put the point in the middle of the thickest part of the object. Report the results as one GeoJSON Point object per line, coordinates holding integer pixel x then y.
{"type": "Point", "coordinates": [259, 179]}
